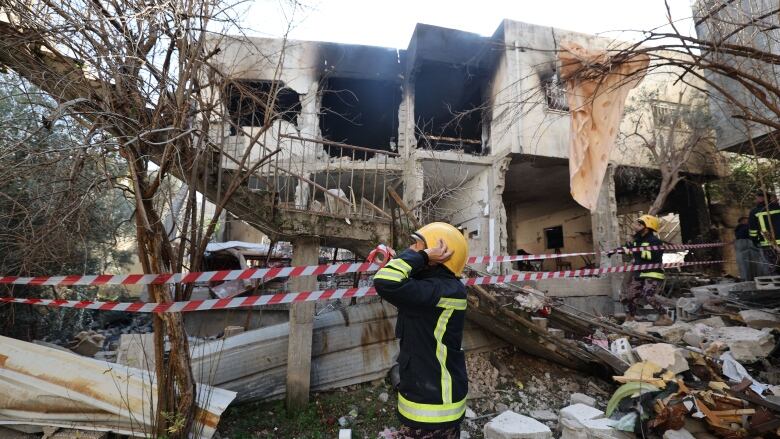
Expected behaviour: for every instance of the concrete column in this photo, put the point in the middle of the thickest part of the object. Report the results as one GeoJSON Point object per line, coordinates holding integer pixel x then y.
{"type": "Point", "coordinates": [305, 252]}
{"type": "Point", "coordinates": [407, 141]}
{"type": "Point", "coordinates": [497, 231]}
{"type": "Point", "coordinates": [606, 232]}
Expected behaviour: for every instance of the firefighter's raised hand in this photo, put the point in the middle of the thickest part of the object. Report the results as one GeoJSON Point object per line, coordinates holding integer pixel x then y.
{"type": "Point", "coordinates": [438, 254]}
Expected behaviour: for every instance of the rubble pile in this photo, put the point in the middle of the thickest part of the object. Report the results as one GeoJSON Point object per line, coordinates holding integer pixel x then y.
{"type": "Point", "coordinates": [713, 373]}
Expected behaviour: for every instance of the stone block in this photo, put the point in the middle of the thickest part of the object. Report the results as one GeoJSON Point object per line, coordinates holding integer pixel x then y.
{"type": "Point", "coordinates": [698, 335]}
{"type": "Point", "coordinates": [713, 322]}
{"type": "Point", "coordinates": [673, 333]}
{"type": "Point", "coordinates": [758, 319]}
{"type": "Point", "coordinates": [544, 415]}
{"type": "Point", "coordinates": [579, 413]}
{"type": "Point", "coordinates": [510, 425]}
{"type": "Point", "coordinates": [664, 355]}
{"type": "Point", "coordinates": [581, 398]}
{"type": "Point", "coordinates": [747, 345]}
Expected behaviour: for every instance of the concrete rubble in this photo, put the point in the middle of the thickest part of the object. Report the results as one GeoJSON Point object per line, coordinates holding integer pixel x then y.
{"type": "Point", "coordinates": [510, 425]}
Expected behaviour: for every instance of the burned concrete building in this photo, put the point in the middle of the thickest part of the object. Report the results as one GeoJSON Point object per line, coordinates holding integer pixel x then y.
{"type": "Point", "coordinates": [469, 129]}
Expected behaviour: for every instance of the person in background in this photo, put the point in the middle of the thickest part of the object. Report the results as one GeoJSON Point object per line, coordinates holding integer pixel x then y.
{"type": "Point", "coordinates": [646, 283]}
{"type": "Point", "coordinates": [748, 256]}
{"type": "Point", "coordinates": [764, 229]}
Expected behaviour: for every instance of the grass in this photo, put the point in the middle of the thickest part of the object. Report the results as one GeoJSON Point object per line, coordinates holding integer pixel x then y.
{"type": "Point", "coordinates": [319, 420]}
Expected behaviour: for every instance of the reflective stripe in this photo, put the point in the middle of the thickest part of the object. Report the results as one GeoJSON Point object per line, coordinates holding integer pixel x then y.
{"type": "Point", "coordinates": [456, 304]}
{"type": "Point", "coordinates": [653, 275]}
{"type": "Point", "coordinates": [400, 265]}
{"type": "Point", "coordinates": [646, 254]}
{"type": "Point", "coordinates": [389, 274]}
{"type": "Point", "coordinates": [441, 355]}
{"type": "Point", "coordinates": [753, 232]}
{"type": "Point", "coordinates": [431, 413]}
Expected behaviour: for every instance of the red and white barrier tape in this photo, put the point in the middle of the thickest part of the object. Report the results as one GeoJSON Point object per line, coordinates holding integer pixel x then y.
{"type": "Point", "coordinates": [270, 273]}
{"type": "Point", "coordinates": [307, 296]}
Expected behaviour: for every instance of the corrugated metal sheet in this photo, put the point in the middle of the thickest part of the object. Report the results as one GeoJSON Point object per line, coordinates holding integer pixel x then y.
{"type": "Point", "coordinates": [45, 386]}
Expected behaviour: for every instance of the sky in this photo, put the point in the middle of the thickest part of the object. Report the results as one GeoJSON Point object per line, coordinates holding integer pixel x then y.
{"type": "Point", "coordinates": [390, 23]}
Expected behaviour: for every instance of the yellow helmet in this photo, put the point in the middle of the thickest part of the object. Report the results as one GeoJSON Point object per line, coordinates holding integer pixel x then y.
{"type": "Point", "coordinates": [431, 233]}
{"type": "Point", "coordinates": [650, 221]}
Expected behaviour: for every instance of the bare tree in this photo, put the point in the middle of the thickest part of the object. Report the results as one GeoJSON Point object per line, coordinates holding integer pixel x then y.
{"type": "Point", "coordinates": [140, 79]}
{"type": "Point", "coordinates": [673, 133]}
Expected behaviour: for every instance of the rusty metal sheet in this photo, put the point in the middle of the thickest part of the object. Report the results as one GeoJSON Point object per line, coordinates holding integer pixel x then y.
{"type": "Point", "coordinates": [44, 386]}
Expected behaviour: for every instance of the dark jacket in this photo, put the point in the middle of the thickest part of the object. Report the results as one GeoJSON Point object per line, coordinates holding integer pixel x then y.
{"type": "Point", "coordinates": [742, 231]}
{"type": "Point", "coordinates": [759, 220]}
{"type": "Point", "coordinates": [648, 256]}
{"type": "Point", "coordinates": [431, 304]}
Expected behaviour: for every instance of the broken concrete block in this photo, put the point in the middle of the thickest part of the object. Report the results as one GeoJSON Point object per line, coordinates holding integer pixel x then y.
{"type": "Point", "coordinates": [544, 415]}
{"type": "Point", "coordinates": [673, 333]}
{"type": "Point", "coordinates": [621, 348]}
{"type": "Point", "coordinates": [640, 327]}
{"type": "Point", "coordinates": [747, 345]}
{"type": "Point", "coordinates": [713, 322]}
{"type": "Point", "coordinates": [698, 335]}
{"type": "Point", "coordinates": [758, 319]}
{"type": "Point", "coordinates": [555, 332]}
{"type": "Point", "coordinates": [87, 343]}
{"type": "Point", "coordinates": [581, 398]}
{"type": "Point", "coordinates": [664, 355]}
{"type": "Point", "coordinates": [136, 350]}
{"type": "Point", "coordinates": [591, 429]}
{"type": "Point", "coordinates": [510, 425]}
{"type": "Point", "coordinates": [579, 413]}
{"type": "Point", "coordinates": [678, 434]}
{"type": "Point", "coordinates": [540, 322]}
{"type": "Point", "coordinates": [232, 330]}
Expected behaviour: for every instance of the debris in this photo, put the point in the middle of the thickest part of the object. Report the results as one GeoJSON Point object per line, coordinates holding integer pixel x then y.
{"type": "Point", "coordinates": [470, 413]}
{"type": "Point", "coordinates": [737, 373]}
{"type": "Point", "coordinates": [67, 433]}
{"type": "Point", "coordinates": [64, 400]}
{"type": "Point", "coordinates": [698, 335]}
{"type": "Point", "coordinates": [510, 425]}
{"type": "Point", "coordinates": [232, 330]}
{"type": "Point", "coordinates": [673, 333]}
{"type": "Point", "coordinates": [759, 319]}
{"type": "Point", "coordinates": [7, 433]}
{"type": "Point", "coordinates": [555, 332]}
{"type": "Point", "coordinates": [621, 348]}
{"type": "Point", "coordinates": [713, 322]}
{"type": "Point", "coordinates": [678, 434]}
{"type": "Point", "coordinates": [747, 345]}
{"type": "Point", "coordinates": [383, 397]}
{"type": "Point", "coordinates": [640, 327]}
{"type": "Point", "coordinates": [343, 421]}
{"type": "Point", "coordinates": [579, 413]}
{"type": "Point", "coordinates": [465, 435]}
{"type": "Point", "coordinates": [87, 343]}
{"type": "Point", "coordinates": [345, 433]}
{"type": "Point", "coordinates": [544, 415]}
{"type": "Point", "coordinates": [664, 355]}
{"type": "Point", "coordinates": [634, 388]}
{"type": "Point", "coordinates": [540, 322]}
{"type": "Point", "coordinates": [581, 398]}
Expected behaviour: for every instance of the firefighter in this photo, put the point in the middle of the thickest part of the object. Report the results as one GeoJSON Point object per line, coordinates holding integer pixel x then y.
{"type": "Point", "coordinates": [646, 283]}
{"type": "Point", "coordinates": [763, 225]}
{"type": "Point", "coordinates": [423, 282]}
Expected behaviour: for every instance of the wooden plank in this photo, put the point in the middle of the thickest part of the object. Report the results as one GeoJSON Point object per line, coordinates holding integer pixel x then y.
{"type": "Point", "coordinates": [306, 251]}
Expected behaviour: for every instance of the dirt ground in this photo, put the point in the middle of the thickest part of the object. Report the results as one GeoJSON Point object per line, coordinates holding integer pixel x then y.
{"type": "Point", "coordinates": [501, 380]}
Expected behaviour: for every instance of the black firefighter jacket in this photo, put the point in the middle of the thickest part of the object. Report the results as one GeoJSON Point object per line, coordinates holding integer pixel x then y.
{"type": "Point", "coordinates": [431, 304]}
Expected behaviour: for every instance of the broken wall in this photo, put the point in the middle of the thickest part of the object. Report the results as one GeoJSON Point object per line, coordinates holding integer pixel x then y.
{"type": "Point", "coordinates": [529, 220]}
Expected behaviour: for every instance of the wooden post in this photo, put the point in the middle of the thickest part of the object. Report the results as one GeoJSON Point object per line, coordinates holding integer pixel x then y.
{"type": "Point", "coordinates": [306, 251]}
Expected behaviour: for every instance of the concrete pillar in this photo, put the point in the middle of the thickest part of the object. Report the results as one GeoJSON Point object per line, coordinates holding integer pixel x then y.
{"type": "Point", "coordinates": [497, 231]}
{"type": "Point", "coordinates": [305, 252]}
{"type": "Point", "coordinates": [606, 232]}
{"type": "Point", "coordinates": [407, 141]}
